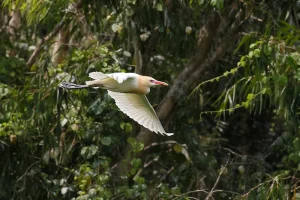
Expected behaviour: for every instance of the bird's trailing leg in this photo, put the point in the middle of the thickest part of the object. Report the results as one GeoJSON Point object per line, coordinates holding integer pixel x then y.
{"type": "Point", "coordinates": [68, 85]}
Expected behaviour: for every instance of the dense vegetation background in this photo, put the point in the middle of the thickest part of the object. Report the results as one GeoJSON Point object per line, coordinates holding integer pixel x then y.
{"type": "Point", "coordinates": [233, 102]}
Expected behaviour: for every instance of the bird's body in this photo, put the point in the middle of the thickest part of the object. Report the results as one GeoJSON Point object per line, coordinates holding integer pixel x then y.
{"type": "Point", "coordinates": [128, 90]}
{"type": "Point", "coordinates": [119, 82]}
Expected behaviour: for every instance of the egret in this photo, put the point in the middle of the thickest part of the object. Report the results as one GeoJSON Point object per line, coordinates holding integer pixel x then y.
{"type": "Point", "coordinates": [129, 92]}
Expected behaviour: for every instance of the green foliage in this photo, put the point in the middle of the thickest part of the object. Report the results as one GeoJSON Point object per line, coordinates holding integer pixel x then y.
{"type": "Point", "coordinates": [70, 144]}
{"type": "Point", "coordinates": [135, 145]}
{"type": "Point", "coordinates": [266, 78]}
{"type": "Point", "coordinates": [270, 76]}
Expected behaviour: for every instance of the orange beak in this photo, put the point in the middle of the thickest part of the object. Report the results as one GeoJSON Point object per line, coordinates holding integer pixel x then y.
{"type": "Point", "coordinates": [160, 83]}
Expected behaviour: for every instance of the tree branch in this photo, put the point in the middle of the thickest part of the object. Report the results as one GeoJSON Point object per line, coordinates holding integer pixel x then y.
{"type": "Point", "coordinates": [49, 37]}
{"type": "Point", "coordinates": [217, 181]}
{"type": "Point", "coordinates": [60, 48]}
{"type": "Point", "coordinates": [39, 47]}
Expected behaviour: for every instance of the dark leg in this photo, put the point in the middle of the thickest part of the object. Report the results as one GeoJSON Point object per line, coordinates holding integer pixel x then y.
{"type": "Point", "coordinates": [68, 85]}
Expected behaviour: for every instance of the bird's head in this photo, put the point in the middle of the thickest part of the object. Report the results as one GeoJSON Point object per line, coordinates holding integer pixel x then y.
{"type": "Point", "coordinates": [152, 82]}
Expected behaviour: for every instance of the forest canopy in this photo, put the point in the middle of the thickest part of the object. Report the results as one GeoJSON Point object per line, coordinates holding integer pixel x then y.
{"type": "Point", "coordinates": [233, 69]}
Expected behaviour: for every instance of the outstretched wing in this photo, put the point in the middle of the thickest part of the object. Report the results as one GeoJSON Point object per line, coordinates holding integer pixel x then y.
{"type": "Point", "coordinates": [137, 107]}
{"type": "Point", "coordinates": [119, 77]}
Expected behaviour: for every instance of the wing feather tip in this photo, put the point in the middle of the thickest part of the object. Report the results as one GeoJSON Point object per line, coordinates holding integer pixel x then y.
{"type": "Point", "coordinates": [131, 112]}
{"type": "Point", "coordinates": [168, 134]}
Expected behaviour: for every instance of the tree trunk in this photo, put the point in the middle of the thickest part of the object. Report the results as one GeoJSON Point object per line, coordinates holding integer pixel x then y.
{"type": "Point", "coordinates": [60, 49]}
{"type": "Point", "coordinates": [13, 25]}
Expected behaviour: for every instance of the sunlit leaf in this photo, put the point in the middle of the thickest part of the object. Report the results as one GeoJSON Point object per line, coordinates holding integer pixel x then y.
{"type": "Point", "coordinates": [106, 141]}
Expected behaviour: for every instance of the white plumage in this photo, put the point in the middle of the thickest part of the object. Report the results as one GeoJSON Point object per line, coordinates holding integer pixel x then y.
{"type": "Point", "coordinates": [128, 90]}
{"type": "Point", "coordinates": [137, 107]}
{"type": "Point", "coordinates": [119, 77]}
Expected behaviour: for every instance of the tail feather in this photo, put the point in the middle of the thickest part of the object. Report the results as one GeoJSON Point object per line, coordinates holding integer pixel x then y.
{"type": "Point", "coordinates": [98, 75]}
{"type": "Point", "coordinates": [69, 85]}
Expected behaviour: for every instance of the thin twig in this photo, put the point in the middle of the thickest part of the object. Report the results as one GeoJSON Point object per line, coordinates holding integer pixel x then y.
{"type": "Point", "coordinates": [257, 186]}
{"type": "Point", "coordinates": [147, 164]}
{"type": "Point", "coordinates": [161, 143]}
{"type": "Point", "coordinates": [217, 181]}
{"type": "Point", "coordinates": [225, 191]}
{"type": "Point", "coordinates": [192, 198]}
{"type": "Point", "coordinates": [24, 176]}
{"type": "Point", "coordinates": [194, 191]}
{"type": "Point", "coordinates": [165, 175]}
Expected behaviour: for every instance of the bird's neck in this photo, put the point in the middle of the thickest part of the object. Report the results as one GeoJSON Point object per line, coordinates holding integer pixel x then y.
{"type": "Point", "coordinates": [143, 89]}
{"type": "Point", "coordinates": [143, 85]}
{"type": "Point", "coordinates": [140, 86]}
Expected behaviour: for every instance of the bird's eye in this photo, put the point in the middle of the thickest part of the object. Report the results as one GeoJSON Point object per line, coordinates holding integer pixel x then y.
{"type": "Point", "coordinates": [152, 80]}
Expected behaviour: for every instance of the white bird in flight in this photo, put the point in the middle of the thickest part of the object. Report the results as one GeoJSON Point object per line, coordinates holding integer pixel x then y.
{"type": "Point", "coordinates": [128, 90]}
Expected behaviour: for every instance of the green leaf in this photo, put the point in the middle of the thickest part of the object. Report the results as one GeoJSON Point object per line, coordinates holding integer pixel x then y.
{"type": "Point", "coordinates": [256, 53]}
{"type": "Point", "coordinates": [263, 91]}
{"type": "Point", "coordinates": [281, 80]}
{"type": "Point", "coordinates": [139, 180]}
{"type": "Point", "coordinates": [219, 4]}
{"type": "Point", "coordinates": [177, 148]}
{"type": "Point", "coordinates": [136, 162]}
{"type": "Point", "coordinates": [267, 50]}
{"type": "Point", "coordinates": [226, 73]}
{"type": "Point", "coordinates": [297, 74]}
{"type": "Point", "coordinates": [159, 7]}
{"type": "Point", "coordinates": [132, 171]}
{"type": "Point", "coordinates": [88, 152]}
{"type": "Point", "coordinates": [296, 144]}
{"type": "Point", "coordinates": [115, 27]}
{"type": "Point", "coordinates": [250, 96]}
{"type": "Point", "coordinates": [291, 62]}
{"type": "Point", "coordinates": [106, 141]}
{"type": "Point", "coordinates": [234, 70]}
{"type": "Point", "coordinates": [245, 104]}
{"type": "Point", "coordinates": [213, 2]}
{"type": "Point", "coordinates": [250, 54]}
{"type": "Point", "coordinates": [136, 145]}
{"type": "Point", "coordinates": [64, 190]}
{"type": "Point", "coordinates": [126, 126]}
{"type": "Point", "coordinates": [97, 107]}
{"type": "Point", "coordinates": [252, 46]}
{"type": "Point", "coordinates": [131, 141]}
